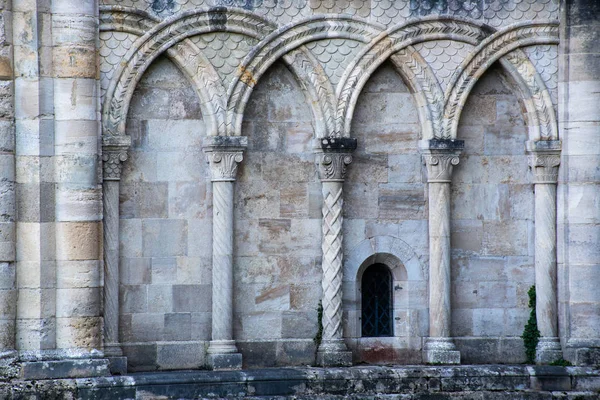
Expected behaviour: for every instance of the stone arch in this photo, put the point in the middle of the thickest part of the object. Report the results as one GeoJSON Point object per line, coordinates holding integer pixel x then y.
{"type": "Point", "coordinates": [161, 38]}
{"type": "Point", "coordinates": [505, 45]}
{"type": "Point", "coordinates": [185, 55]}
{"type": "Point", "coordinates": [398, 40]}
{"type": "Point", "coordinates": [388, 250]}
{"type": "Point", "coordinates": [284, 41]}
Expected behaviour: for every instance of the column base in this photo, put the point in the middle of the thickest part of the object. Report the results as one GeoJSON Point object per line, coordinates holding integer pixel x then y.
{"type": "Point", "coordinates": [440, 351]}
{"type": "Point", "coordinates": [117, 365]}
{"type": "Point", "coordinates": [548, 350]}
{"type": "Point", "coordinates": [334, 353]}
{"type": "Point", "coordinates": [225, 362]}
{"type": "Point", "coordinates": [223, 355]}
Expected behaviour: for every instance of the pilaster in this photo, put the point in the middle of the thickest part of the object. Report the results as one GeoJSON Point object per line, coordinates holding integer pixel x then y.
{"type": "Point", "coordinates": [544, 160]}
{"type": "Point", "coordinates": [224, 155]}
{"type": "Point", "coordinates": [334, 156]}
{"type": "Point", "coordinates": [440, 157]}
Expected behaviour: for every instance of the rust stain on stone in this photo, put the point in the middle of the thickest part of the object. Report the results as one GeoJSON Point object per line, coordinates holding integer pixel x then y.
{"type": "Point", "coordinates": [272, 294]}
{"type": "Point", "coordinates": [246, 76]}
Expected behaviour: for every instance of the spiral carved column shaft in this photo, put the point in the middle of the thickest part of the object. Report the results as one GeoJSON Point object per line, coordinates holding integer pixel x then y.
{"type": "Point", "coordinates": [224, 154]}
{"type": "Point", "coordinates": [440, 157]}
{"type": "Point", "coordinates": [332, 261]}
{"type": "Point", "coordinates": [333, 161]}
{"type": "Point", "coordinates": [544, 164]}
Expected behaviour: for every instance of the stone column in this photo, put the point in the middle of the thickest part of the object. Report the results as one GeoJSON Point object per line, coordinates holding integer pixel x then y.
{"type": "Point", "coordinates": [440, 157]}
{"type": "Point", "coordinates": [579, 223]}
{"type": "Point", "coordinates": [8, 214]}
{"type": "Point", "coordinates": [544, 161]}
{"type": "Point", "coordinates": [114, 153]}
{"type": "Point", "coordinates": [333, 158]}
{"type": "Point", "coordinates": [224, 154]}
{"type": "Point", "coordinates": [78, 199]}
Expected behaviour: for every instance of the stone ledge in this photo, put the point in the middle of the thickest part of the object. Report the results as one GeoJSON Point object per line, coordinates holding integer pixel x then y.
{"type": "Point", "coordinates": [456, 382]}
{"type": "Point", "coordinates": [65, 369]}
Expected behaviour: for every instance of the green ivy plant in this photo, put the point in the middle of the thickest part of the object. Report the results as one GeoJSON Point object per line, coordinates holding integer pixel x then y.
{"type": "Point", "coordinates": [319, 335]}
{"type": "Point", "coordinates": [531, 334]}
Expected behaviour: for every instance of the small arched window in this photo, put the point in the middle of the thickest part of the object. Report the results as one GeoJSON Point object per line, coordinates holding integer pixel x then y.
{"type": "Point", "coordinates": [376, 288]}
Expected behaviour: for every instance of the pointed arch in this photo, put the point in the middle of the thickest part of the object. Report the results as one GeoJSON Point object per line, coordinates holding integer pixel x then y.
{"type": "Point", "coordinates": [283, 41]}
{"type": "Point", "coordinates": [397, 40]}
{"type": "Point", "coordinates": [161, 38]}
{"type": "Point", "coordinates": [491, 50]}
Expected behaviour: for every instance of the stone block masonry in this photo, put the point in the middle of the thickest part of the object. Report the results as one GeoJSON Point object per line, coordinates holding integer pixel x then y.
{"type": "Point", "coordinates": [202, 184]}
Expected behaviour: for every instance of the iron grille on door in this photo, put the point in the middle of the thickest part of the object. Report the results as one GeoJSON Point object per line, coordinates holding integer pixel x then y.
{"type": "Point", "coordinates": [377, 301]}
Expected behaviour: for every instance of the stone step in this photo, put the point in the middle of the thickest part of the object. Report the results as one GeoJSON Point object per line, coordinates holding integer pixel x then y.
{"type": "Point", "coordinates": [359, 382]}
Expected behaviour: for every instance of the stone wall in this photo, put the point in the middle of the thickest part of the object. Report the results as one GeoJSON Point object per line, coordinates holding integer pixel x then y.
{"type": "Point", "coordinates": [184, 182]}
{"type": "Point", "coordinates": [165, 236]}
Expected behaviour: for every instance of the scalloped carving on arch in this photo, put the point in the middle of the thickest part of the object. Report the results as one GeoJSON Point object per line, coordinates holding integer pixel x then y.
{"type": "Point", "coordinates": [126, 19]}
{"type": "Point", "coordinates": [185, 55]}
{"type": "Point", "coordinates": [541, 118]}
{"type": "Point", "coordinates": [198, 69]}
{"type": "Point", "coordinates": [423, 85]}
{"type": "Point", "coordinates": [283, 41]}
{"type": "Point", "coordinates": [393, 41]}
{"type": "Point", "coordinates": [317, 87]}
{"type": "Point", "coordinates": [158, 40]}
{"type": "Point", "coordinates": [491, 50]}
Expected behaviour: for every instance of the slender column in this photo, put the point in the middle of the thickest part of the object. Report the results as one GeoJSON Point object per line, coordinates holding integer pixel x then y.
{"type": "Point", "coordinates": [544, 161]}
{"type": "Point", "coordinates": [224, 154]}
{"type": "Point", "coordinates": [114, 153]}
{"type": "Point", "coordinates": [333, 161]}
{"type": "Point", "coordinates": [440, 157]}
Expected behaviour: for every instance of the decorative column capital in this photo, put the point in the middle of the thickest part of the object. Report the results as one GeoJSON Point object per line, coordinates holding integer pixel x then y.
{"type": "Point", "coordinates": [224, 153]}
{"type": "Point", "coordinates": [440, 156]}
{"type": "Point", "coordinates": [544, 160]}
{"type": "Point", "coordinates": [114, 153]}
{"type": "Point", "coordinates": [334, 157]}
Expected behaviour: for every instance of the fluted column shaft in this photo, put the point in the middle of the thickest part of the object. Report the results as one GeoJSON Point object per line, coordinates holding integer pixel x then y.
{"type": "Point", "coordinates": [544, 161]}
{"type": "Point", "coordinates": [440, 157]}
{"type": "Point", "coordinates": [333, 159]}
{"type": "Point", "coordinates": [112, 156]}
{"type": "Point", "coordinates": [224, 154]}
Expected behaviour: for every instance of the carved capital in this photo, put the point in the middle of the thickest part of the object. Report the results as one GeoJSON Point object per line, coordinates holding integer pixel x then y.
{"type": "Point", "coordinates": [544, 167]}
{"type": "Point", "coordinates": [544, 160]}
{"type": "Point", "coordinates": [224, 164]}
{"type": "Point", "coordinates": [332, 166]}
{"type": "Point", "coordinates": [439, 166]}
{"type": "Point", "coordinates": [334, 156]}
{"type": "Point", "coordinates": [440, 156]}
{"type": "Point", "coordinates": [112, 162]}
